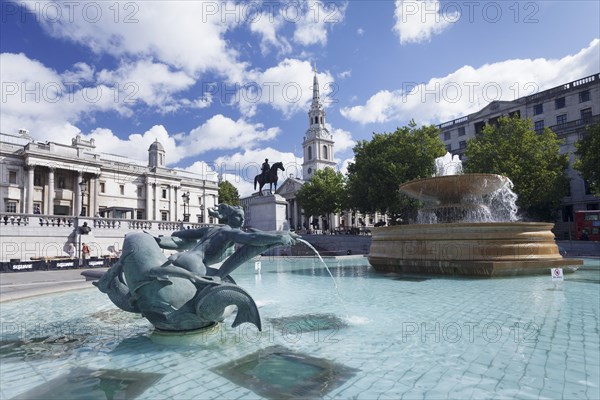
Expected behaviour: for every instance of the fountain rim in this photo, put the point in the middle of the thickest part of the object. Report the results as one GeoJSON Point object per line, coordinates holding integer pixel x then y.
{"type": "Point", "coordinates": [523, 224]}
{"type": "Point", "coordinates": [408, 189]}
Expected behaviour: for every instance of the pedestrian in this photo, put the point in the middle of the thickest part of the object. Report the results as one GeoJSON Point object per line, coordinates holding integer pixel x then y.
{"type": "Point", "coordinates": [71, 250]}
{"type": "Point", "coordinates": [85, 254]}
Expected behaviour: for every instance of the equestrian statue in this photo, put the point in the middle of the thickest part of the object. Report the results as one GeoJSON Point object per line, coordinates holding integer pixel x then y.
{"type": "Point", "coordinates": [268, 175]}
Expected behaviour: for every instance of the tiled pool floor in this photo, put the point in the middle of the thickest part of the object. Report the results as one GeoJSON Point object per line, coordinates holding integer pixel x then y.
{"type": "Point", "coordinates": [376, 336]}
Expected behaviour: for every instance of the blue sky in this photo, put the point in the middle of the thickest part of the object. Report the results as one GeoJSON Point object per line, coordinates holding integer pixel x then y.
{"type": "Point", "coordinates": [224, 84]}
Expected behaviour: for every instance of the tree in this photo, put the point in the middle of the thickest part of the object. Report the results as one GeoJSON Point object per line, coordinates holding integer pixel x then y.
{"type": "Point", "coordinates": [588, 157]}
{"type": "Point", "coordinates": [228, 194]}
{"type": "Point", "coordinates": [531, 160]}
{"type": "Point", "coordinates": [381, 165]}
{"type": "Point", "coordinates": [324, 194]}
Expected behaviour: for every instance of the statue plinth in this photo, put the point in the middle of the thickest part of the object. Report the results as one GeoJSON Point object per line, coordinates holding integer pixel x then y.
{"type": "Point", "coordinates": [267, 213]}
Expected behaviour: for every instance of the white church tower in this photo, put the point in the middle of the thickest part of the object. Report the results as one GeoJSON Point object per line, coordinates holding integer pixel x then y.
{"type": "Point", "coordinates": [318, 142]}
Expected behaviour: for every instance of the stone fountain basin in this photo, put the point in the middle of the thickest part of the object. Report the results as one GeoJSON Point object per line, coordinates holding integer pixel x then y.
{"type": "Point", "coordinates": [475, 249]}
{"type": "Point", "coordinates": [452, 189]}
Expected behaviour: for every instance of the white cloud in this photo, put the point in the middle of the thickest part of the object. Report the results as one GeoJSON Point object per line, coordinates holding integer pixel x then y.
{"type": "Point", "coordinates": [344, 167]}
{"type": "Point", "coordinates": [345, 74]}
{"type": "Point", "coordinates": [268, 27]}
{"type": "Point", "coordinates": [360, 31]}
{"type": "Point", "coordinates": [206, 170]}
{"type": "Point", "coordinates": [343, 139]}
{"type": "Point", "coordinates": [220, 132]}
{"type": "Point", "coordinates": [418, 21]}
{"type": "Point", "coordinates": [151, 83]}
{"type": "Point", "coordinates": [42, 100]}
{"type": "Point", "coordinates": [314, 19]}
{"type": "Point", "coordinates": [136, 145]}
{"type": "Point", "coordinates": [241, 168]}
{"type": "Point", "coordinates": [286, 87]}
{"type": "Point", "coordinates": [188, 35]}
{"type": "Point", "coordinates": [469, 89]}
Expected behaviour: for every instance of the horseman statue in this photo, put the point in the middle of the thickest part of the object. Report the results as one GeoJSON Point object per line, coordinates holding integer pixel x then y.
{"type": "Point", "coordinates": [268, 175]}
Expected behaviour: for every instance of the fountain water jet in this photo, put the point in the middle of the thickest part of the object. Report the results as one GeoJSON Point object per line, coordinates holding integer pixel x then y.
{"type": "Point", "coordinates": [467, 228]}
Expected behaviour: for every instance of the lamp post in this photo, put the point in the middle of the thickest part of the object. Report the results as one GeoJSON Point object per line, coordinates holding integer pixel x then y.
{"type": "Point", "coordinates": [82, 187]}
{"type": "Point", "coordinates": [186, 206]}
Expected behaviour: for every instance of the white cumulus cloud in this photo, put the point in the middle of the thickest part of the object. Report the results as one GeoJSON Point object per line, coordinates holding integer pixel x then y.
{"type": "Point", "coordinates": [469, 89]}
{"type": "Point", "coordinates": [418, 21]}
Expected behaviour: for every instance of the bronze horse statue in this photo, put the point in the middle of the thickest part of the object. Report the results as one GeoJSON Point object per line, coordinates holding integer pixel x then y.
{"type": "Point", "coordinates": [271, 178]}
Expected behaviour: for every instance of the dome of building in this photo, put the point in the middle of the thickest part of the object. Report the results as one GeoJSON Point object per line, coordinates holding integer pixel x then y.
{"type": "Point", "coordinates": [156, 146]}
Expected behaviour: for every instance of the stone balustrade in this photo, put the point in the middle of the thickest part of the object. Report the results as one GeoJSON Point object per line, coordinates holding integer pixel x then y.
{"type": "Point", "coordinates": [18, 219]}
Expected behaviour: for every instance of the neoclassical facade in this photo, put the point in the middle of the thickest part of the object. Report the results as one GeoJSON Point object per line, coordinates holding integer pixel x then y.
{"type": "Point", "coordinates": [566, 109]}
{"type": "Point", "coordinates": [76, 180]}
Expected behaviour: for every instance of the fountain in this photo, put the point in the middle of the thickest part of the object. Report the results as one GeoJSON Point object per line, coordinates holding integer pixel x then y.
{"type": "Point", "coordinates": [467, 227]}
{"type": "Point", "coordinates": [183, 294]}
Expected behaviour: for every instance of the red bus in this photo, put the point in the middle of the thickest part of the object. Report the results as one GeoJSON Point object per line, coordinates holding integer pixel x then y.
{"type": "Point", "coordinates": [587, 225]}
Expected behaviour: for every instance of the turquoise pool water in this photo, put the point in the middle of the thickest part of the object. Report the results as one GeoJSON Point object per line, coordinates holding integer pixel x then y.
{"type": "Point", "coordinates": [375, 336]}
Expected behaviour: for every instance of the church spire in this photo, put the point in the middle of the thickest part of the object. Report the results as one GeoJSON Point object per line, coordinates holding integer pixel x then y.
{"type": "Point", "coordinates": [316, 97]}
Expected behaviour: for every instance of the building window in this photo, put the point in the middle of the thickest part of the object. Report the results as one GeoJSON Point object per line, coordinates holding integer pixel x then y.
{"type": "Point", "coordinates": [11, 206]}
{"type": "Point", "coordinates": [37, 208]}
{"type": "Point", "coordinates": [538, 109]}
{"type": "Point", "coordinates": [140, 192]}
{"type": "Point", "coordinates": [164, 216]}
{"type": "Point", "coordinates": [567, 213]}
{"type": "Point", "coordinates": [61, 182]}
{"type": "Point", "coordinates": [462, 144]}
{"type": "Point", "coordinates": [584, 96]}
{"type": "Point", "coordinates": [102, 187]}
{"type": "Point", "coordinates": [164, 193]}
{"type": "Point", "coordinates": [139, 214]}
{"type": "Point", "coordinates": [211, 220]}
{"type": "Point", "coordinates": [12, 177]}
{"type": "Point", "coordinates": [122, 189]}
{"type": "Point", "coordinates": [309, 153]}
{"type": "Point", "coordinates": [447, 135]}
{"type": "Point", "coordinates": [559, 103]}
{"type": "Point", "coordinates": [479, 128]}
{"type": "Point", "coordinates": [561, 119]}
{"type": "Point", "coordinates": [539, 126]}
{"type": "Point", "coordinates": [200, 218]}
{"type": "Point", "coordinates": [462, 131]}
{"type": "Point", "coordinates": [449, 147]}
{"type": "Point", "coordinates": [586, 114]}
{"type": "Point", "coordinates": [37, 179]}
{"type": "Point", "coordinates": [592, 206]}
{"type": "Point", "coordinates": [325, 153]}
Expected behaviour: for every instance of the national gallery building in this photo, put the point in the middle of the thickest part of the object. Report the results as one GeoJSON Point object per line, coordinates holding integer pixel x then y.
{"type": "Point", "coordinates": [75, 180]}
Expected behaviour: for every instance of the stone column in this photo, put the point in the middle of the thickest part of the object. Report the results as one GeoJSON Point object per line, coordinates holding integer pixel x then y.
{"type": "Point", "coordinates": [30, 174]}
{"type": "Point", "coordinates": [156, 203]}
{"type": "Point", "coordinates": [176, 203]}
{"type": "Point", "coordinates": [171, 205]}
{"type": "Point", "coordinates": [148, 200]}
{"type": "Point", "coordinates": [50, 205]}
{"type": "Point", "coordinates": [295, 218]}
{"type": "Point", "coordinates": [77, 200]}
{"type": "Point", "coordinates": [95, 189]}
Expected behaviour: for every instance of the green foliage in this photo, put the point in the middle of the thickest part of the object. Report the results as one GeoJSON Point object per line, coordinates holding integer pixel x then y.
{"type": "Point", "coordinates": [324, 194]}
{"type": "Point", "coordinates": [588, 157]}
{"type": "Point", "coordinates": [228, 194]}
{"type": "Point", "coordinates": [531, 160]}
{"type": "Point", "coordinates": [385, 162]}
